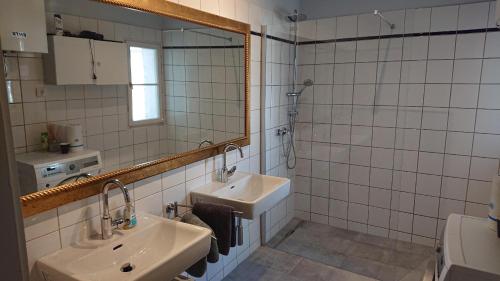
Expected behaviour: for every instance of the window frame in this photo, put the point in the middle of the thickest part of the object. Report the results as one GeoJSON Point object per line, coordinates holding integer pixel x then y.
{"type": "Point", "coordinates": [161, 118]}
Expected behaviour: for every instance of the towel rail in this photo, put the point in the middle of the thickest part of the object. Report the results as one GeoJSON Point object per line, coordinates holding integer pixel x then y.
{"type": "Point", "coordinates": [172, 211]}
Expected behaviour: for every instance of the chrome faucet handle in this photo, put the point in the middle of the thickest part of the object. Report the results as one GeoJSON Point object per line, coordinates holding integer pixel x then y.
{"type": "Point", "coordinates": [116, 222]}
{"type": "Point", "coordinates": [231, 171]}
{"type": "Point", "coordinates": [172, 210]}
{"type": "Point", "coordinates": [129, 217]}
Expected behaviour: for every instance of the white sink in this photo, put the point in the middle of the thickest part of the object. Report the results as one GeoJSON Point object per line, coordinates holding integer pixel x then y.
{"type": "Point", "coordinates": [251, 194]}
{"type": "Point", "coordinates": [156, 249]}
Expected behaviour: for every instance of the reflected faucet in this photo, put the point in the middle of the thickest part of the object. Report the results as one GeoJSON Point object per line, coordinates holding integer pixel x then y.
{"type": "Point", "coordinates": [205, 141]}
{"type": "Point", "coordinates": [224, 174]}
{"type": "Point", "coordinates": [107, 223]}
{"type": "Point", "coordinates": [75, 178]}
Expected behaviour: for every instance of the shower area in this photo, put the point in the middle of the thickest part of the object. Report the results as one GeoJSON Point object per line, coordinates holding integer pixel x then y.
{"type": "Point", "coordinates": [322, 100]}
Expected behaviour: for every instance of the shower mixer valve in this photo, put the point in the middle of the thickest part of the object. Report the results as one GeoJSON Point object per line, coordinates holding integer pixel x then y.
{"type": "Point", "coordinates": [282, 131]}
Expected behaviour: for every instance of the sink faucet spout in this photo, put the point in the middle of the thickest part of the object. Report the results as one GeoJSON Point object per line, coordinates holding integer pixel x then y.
{"type": "Point", "coordinates": [107, 223]}
{"type": "Point", "coordinates": [224, 174]}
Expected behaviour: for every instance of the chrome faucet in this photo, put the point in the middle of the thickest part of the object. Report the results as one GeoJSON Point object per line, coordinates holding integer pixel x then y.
{"type": "Point", "coordinates": [224, 174]}
{"type": "Point", "coordinates": [107, 223]}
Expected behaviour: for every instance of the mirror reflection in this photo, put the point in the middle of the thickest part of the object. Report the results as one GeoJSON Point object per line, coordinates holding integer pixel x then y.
{"type": "Point", "coordinates": [120, 87]}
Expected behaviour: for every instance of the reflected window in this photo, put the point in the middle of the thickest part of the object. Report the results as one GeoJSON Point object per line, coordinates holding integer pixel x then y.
{"type": "Point", "coordinates": [145, 98]}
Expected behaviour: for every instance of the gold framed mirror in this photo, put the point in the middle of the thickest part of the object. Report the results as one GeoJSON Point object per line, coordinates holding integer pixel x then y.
{"type": "Point", "coordinates": [182, 154]}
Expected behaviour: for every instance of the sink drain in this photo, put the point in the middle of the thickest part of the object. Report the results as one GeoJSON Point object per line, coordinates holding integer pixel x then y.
{"type": "Point", "coordinates": [127, 267]}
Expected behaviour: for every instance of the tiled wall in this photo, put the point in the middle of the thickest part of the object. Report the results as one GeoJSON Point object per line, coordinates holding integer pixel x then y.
{"type": "Point", "coordinates": [398, 132]}
{"type": "Point", "coordinates": [205, 87]}
{"type": "Point", "coordinates": [72, 223]}
{"type": "Point", "coordinates": [278, 79]}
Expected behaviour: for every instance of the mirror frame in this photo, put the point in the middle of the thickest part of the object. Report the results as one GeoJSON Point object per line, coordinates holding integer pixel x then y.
{"type": "Point", "coordinates": [48, 199]}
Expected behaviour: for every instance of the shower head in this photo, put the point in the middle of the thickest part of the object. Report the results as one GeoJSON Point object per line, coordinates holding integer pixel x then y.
{"type": "Point", "coordinates": [296, 17]}
{"type": "Point", "coordinates": [306, 83]}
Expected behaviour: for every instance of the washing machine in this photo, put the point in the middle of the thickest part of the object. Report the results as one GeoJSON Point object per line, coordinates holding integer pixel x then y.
{"type": "Point", "coordinates": [468, 251]}
{"type": "Point", "coordinates": [42, 170]}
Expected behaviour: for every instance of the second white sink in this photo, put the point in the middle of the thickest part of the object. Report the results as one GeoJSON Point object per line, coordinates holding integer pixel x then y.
{"type": "Point", "coordinates": [251, 194]}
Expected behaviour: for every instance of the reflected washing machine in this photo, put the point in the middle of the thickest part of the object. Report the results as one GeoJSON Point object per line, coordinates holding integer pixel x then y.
{"type": "Point", "coordinates": [42, 170]}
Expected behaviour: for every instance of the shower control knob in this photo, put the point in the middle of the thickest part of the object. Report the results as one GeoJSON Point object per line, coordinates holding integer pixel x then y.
{"type": "Point", "coordinates": [282, 131]}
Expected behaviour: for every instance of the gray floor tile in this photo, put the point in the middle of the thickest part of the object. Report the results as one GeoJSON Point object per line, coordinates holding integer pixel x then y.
{"type": "Point", "coordinates": [391, 273]}
{"type": "Point", "coordinates": [308, 270]}
{"type": "Point", "coordinates": [306, 251]}
{"type": "Point", "coordinates": [274, 259]}
{"type": "Point", "coordinates": [370, 252]}
{"type": "Point", "coordinates": [362, 266]}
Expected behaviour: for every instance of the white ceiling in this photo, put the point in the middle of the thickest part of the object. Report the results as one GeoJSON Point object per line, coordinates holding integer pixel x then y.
{"type": "Point", "coordinates": [315, 9]}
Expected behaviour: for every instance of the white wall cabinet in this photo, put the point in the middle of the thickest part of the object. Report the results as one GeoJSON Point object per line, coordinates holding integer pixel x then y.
{"type": "Point", "coordinates": [74, 61]}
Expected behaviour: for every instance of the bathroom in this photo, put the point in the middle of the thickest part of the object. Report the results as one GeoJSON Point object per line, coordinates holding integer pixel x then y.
{"type": "Point", "coordinates": [336, 140]}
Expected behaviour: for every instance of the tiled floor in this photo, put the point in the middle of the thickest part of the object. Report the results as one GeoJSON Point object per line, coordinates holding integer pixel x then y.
{"type": "Point", "coordinates": [321, 252]}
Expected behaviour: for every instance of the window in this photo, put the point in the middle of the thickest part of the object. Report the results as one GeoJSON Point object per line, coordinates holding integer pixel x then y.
{"type": "Point", "coordinates": [145, 99]}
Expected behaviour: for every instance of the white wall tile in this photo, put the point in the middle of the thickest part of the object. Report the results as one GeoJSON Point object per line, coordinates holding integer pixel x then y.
{"type": "Point", "coordinates": [426, 205]}
{"type": "Point", "coordinates": [428, 184]}
{"type": "Point", "coordinates": [464, 95]}
{"type": "Point", "coordinates": [442, 47]}
{"type": "Point", "coordinates": [490, 69]}
{"type": "Point", "coordinates": [485, 121]}
{"type": "Point", "coordinates": [444, 18]}
{"type": "Point", "coordinates": [483, 168]}
{"type": "Point", "coordinates": [326, 29]}
{"type": "Point", "coordinates": [454, 188]}
{"type": "Point", "coordinates": [479, 191]}
{"type": "Point", "coordinates": [358, 212]}
{"type": "Point", "coordinates": [395, 17]}
{"type": "Point", "coordinates": [42, 246]}
{"type": "Point", "coordinates": [368, 25]}
{"type": "Point", "coordinates": [492, 47]}
{"type": "Point", "coordinates": [467, 71]}
{"type": "Point", "coordinates": [437, 95]}
{"type": "Point", "coordinates": [347, 26]}
{"type": "Point", "coordinates": [78, 211]}
{"type": "Point", "coordinates": [473, 16]}
{"type": "Point", "coordinates": [488, 97]}
{"type": "Point", "coordinates": [439, 71]}
{"type": "Point", "coordinates": [424, 226]}
{"type": "Point", "coordinates": [459, 143]}
{"type": "Point", "coordinates": [456, 166]}
{"type": "Point", "coordinates": [417, 20]}
{"type": "Point", "coordinates": [413, 71]}
{"type": "Point", "coordinates": [430, 163]}
{"type": "Point", "coordinates": [470, 45]}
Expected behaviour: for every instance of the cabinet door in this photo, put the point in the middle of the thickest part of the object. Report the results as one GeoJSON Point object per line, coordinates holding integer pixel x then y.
{"type": "Point", "coordinates": [69, 61]}
{"type": "Point", "coordinates": [111, 63]}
